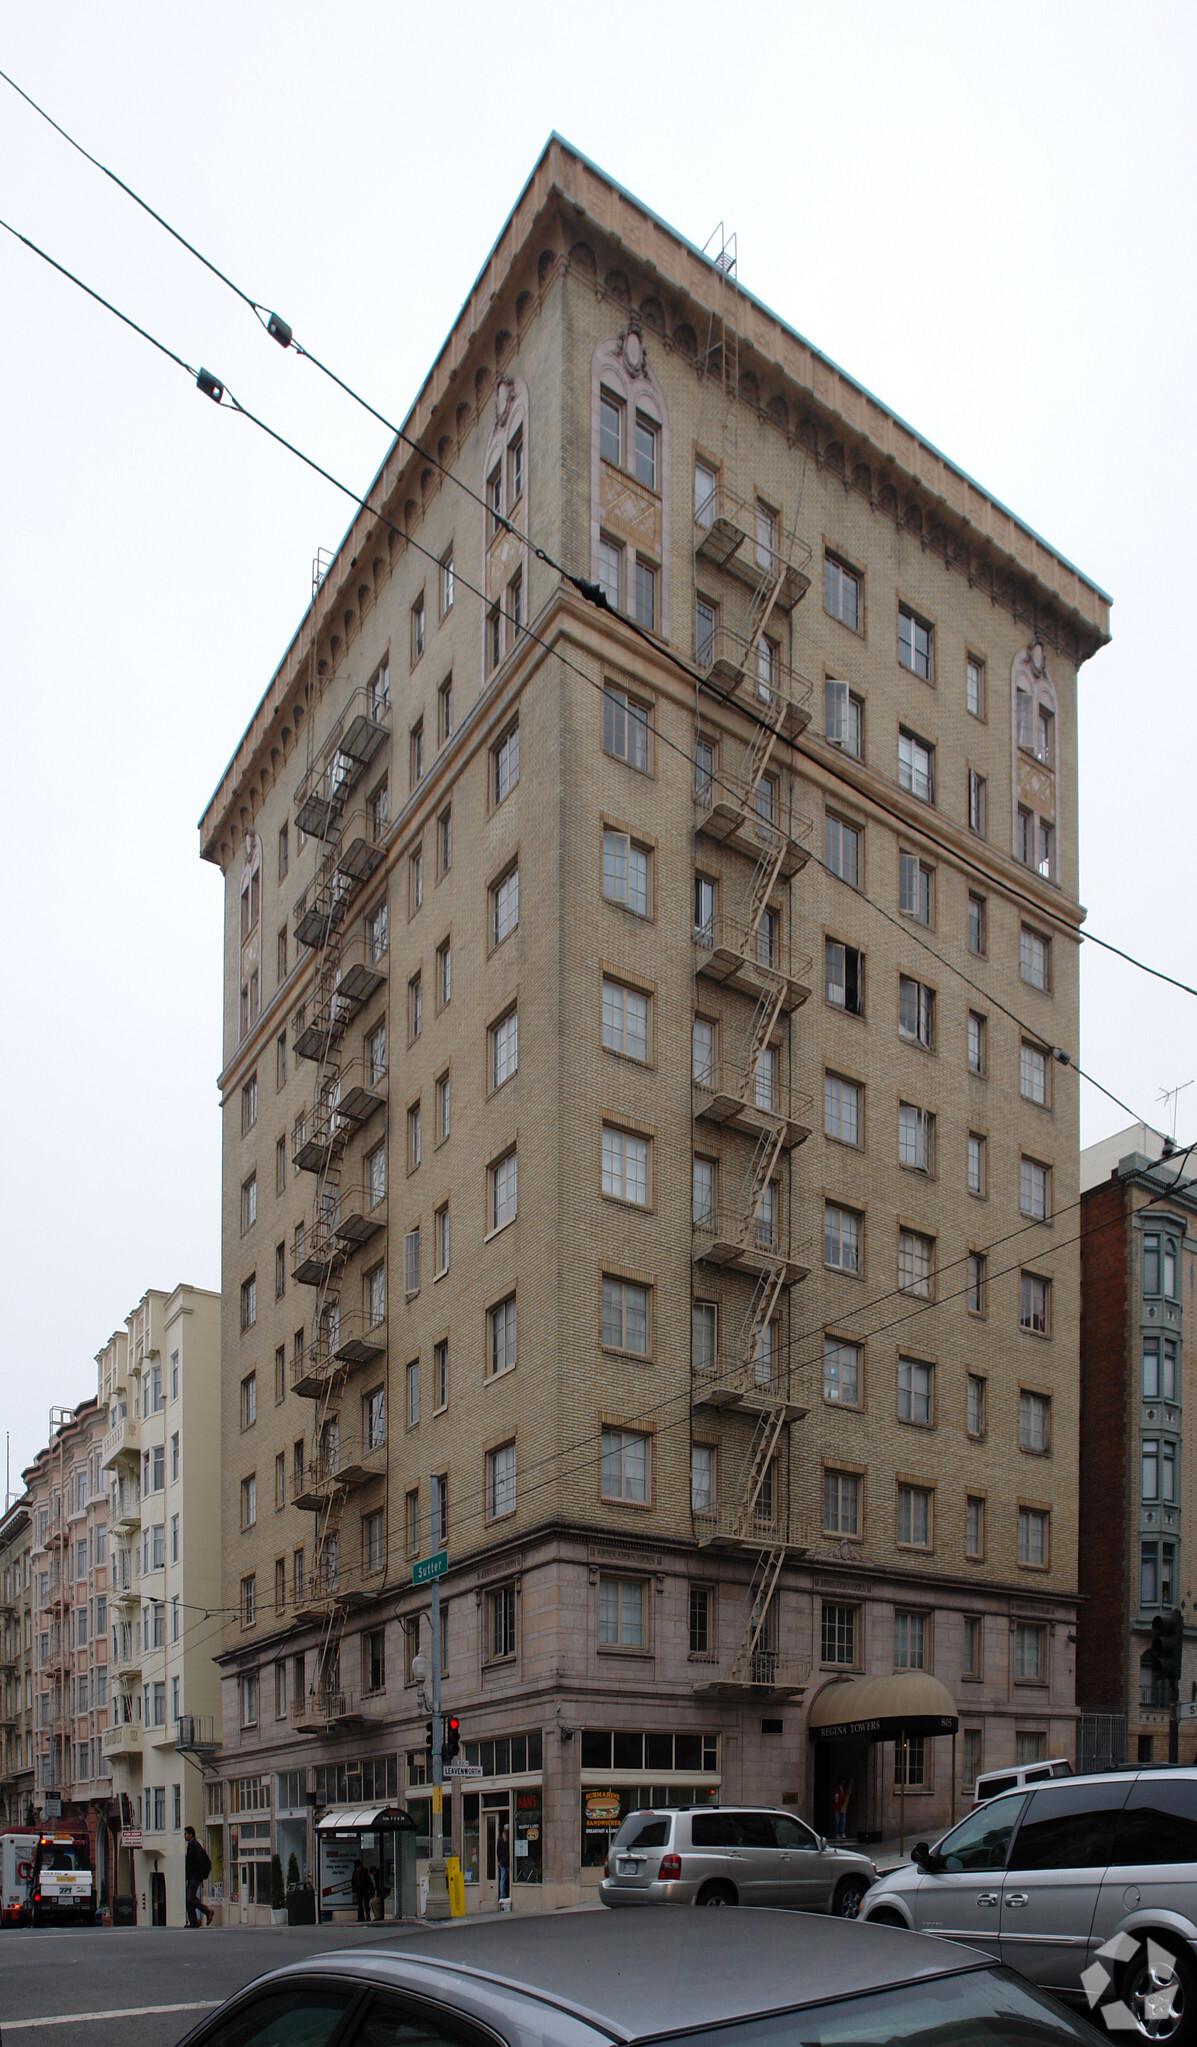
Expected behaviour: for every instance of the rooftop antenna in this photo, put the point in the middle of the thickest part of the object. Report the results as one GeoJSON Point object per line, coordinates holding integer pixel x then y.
{"type": "Point", "coordinates": [1173, 1094]}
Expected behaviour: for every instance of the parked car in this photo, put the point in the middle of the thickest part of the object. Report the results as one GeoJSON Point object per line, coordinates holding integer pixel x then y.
{"type": "Point", "coordinates": [589, 1980]}
{"type": "Point", "coordinates": [1061, 1880]}
{"type": "Point", "coordinates": [994, 1782]}
{"type": "Point", "coordinates": [732, 1855]}
{"type": "Point", "coordinates": [62, 1886]}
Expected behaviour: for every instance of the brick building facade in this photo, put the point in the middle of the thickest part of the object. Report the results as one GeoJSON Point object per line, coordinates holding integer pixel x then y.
{"type": "Point", "coordinates": [635, 1079]}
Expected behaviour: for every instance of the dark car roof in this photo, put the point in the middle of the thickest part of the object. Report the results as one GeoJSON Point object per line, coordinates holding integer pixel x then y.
{"type": "Point", "coordinates": [636, 1974]}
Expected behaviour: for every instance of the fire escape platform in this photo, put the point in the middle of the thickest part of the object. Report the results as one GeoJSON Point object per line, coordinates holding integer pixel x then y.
{"type": "Point", "coordinates": [739, 1252]}
{"type": "Point", "coordinates": [735, 967]}
{"type": "Point", "coordinates": [736, 1390]}
{"type": "Point", "coordinates": [737, 825]}
{"type": "Point", "coordinates": [719, 1103]}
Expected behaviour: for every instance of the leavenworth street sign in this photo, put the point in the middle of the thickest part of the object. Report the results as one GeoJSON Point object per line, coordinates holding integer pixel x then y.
{"type": "Point", "coordinates": [430, 1567]}
{"type": "Point", "coordinates": [463, 1770]}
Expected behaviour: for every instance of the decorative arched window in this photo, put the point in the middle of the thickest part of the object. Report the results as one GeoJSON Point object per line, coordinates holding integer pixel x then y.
{"type": "Point", "coordinates": [1035, 736]}
{"type": "Point", "coordinates": [629, 499]}
{"type": "Point", "coordinates": [507, 515]}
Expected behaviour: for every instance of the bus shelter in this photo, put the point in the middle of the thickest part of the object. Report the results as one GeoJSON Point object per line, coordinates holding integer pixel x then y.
{"type": "Point", "coordinates": [382, 1839]}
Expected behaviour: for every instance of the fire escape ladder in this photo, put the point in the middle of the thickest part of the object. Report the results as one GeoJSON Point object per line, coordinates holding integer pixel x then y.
{"type": "Point", "coordinates": [752, 1664]}
{"type": "Point", "coordinates": [760, 888]}
{"type": "Point", "coordinates": [762, 1308]}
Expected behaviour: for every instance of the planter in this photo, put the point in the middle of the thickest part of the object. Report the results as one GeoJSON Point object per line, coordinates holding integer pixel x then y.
{"type": "Point", "coordinates": [278, 1915]}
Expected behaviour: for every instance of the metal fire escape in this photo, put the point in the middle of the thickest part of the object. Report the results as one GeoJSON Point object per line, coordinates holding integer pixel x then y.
{"type": "Point", "coordinates": [350, 967]}
{"type": "Point", "coordinates": [748, 809]}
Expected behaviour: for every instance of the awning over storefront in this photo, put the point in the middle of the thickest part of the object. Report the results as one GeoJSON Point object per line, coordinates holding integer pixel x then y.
{"type": "Point", "coordinates": [365, 1819]}
{"type": "Point", "coordinates": [883, 1708]}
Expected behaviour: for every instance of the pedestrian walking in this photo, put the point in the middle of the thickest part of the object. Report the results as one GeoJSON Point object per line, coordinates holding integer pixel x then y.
{"type": "Point", "coordinates": [840, 1796]}
{"type": "Point", "coordinates": [503, 1858]}
{"type": "Point", "coordinates": [363, 1889]}
{"type": "Point", "coordinates": [197, 1868]}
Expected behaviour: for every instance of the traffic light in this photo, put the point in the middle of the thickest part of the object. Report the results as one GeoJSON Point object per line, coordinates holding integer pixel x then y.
{"type": "Point", "coordinates": [1167, 1644]}
{"type": "Point", "coordinates": [428, 1736]}
{"type": "Point", "coordinates": [451, 1744]}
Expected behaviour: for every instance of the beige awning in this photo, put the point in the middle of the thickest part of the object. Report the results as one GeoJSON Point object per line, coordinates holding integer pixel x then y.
{"type": "Point", "coordinates": [883, 1708]}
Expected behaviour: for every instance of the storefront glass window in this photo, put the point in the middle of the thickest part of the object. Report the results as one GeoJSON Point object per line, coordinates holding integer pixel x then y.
{"type": "Point", "coordinates": [604, 1811]}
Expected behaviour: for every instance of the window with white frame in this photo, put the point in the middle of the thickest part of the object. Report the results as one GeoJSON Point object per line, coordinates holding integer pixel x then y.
{"type": "Point", "coordinates": [501, 1349]}
{"type": "Point", "coordinates": [505, 764]}
{"type": "Point", "coordinates": [976, 924]}
{"type": "Point", "coordinates": [977, 1163]}
{"type": "Point", "coordinates": [504, 1190]}
{"type": "Point", "coordinates": [626, 724]}
{"type": "Point", "coordinates": [625, 1020]}
{"type": "Point", "coordinates": [504, 1048]}
{"type": "Point", "coordinates": [645, 605]}
{"type": "Point", "coordinates": [914, 1516]}
{"type": "Point", "coordinates": [626, 872]}
{"type": "Point", "coordinates": [1032, 1073]}
{"type": "Point", "coordinates": [1034, 1189]}
{"type": "Point", "coordinates": [842, 1105]}
{"type": "Point", "coordinates": [843, 718]}
{"type": "Point", "coordinates": [441, 1239]}
{"type": "Point", "coordinates": [916, 1258]}
{"type": "Point", "coordinates": [622, 1613]}
{"type": "Point", "coordinates": [1034, 957]}
{"type": "Point", "coordinates": [838, 1633]}
{"type": "Point", "coordinates": [974, 686]}
{"type": "Point", "coordinates": [916, 1138]}
{"type": "Point", "coordinates": [703, 1193]}
{"type": "Point", "coordinates": [916, 1012]}
{"type": "Point", "coordinates": [843, 976]}
{"type": "Point", "coordinates": [1034, 1302]}
{"type": "Point", "coordinates": [500, 1482]}
{"type": "Point", "coordinates": [504, 905]}
{"type": "Point", "coordinates": [974, 1525]}
{"type": "Point", "coordinates": [916, 766]}
{"type": "Point", "coordinates": [914, 888]}
{"type": "Point", "coordinates": [841, 1238]}
{"type": "Point", "coordinates": [910, 1641]}
{"type": "Point", "coordinates": [703, 1496]}
{"type": "Point", "coordinates": [626, 1465]}
{"type": "Point", "coordinates": [841, 849]}
{"type": "Point", "coordinates": [914, 643]}
{"type": "Point", "coordinates": [977, 803]}
{"type": "Point", "coordinates": [977, 1272]}
{"type": "Point", "coordinates": [976, 1042]}
{"type": "Point", "coordinates": [610, 572]}
{"type": "Point", "coordinates": [704, 1335]}
{"type": "Point", "coordinates": [842, 589]}
{"type": "Point", "coordinates": [916, 1388]}
{"type": "Point", "coordinates": [841, 1502]}
{"type": "Point", "coordinates": [1033, 1529]}
{"type": "Point", "coordinates": [625, 1315]}
{"type": "Point", "coordinates": [841, 1371]}
{"type": "Point", "coordinates": [625, 1166]}
{"type": "Point", "coordinates": [702, 1052]}
{"type": "Point", "coordinates": [1034, 1422]}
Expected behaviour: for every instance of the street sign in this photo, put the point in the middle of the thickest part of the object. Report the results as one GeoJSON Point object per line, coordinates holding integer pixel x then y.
{"type": "Point", "coordinates": [430, 1567]}
{"type": "Point", "coordinates": [463, 1770]}
{"type": "Point", "coordinates": [1187, 1710]}
{"type": "Point", "coordinates": [53, 1805]}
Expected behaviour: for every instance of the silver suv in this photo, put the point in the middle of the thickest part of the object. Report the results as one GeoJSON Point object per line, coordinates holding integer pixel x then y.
{"type": "Point", "coordinates": [1087, 1885]}
{"type": "Point", "coordinates": [732, 1855]}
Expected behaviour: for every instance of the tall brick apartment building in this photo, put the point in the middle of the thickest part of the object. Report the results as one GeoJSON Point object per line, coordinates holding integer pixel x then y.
{"type": "Point", "coordinates": [641, 1137]}
{"type": "Point", "coordinates": [1138, 1271]}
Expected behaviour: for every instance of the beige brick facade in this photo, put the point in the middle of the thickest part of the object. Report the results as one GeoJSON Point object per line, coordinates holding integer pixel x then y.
{"type": "Point", "coordinates": [657, 1518]}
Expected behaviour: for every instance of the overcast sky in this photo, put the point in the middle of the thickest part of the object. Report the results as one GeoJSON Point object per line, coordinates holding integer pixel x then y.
{"type": "Point", "coordinates": [983, 213]}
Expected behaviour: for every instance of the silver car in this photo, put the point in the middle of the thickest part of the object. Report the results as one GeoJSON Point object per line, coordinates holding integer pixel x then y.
{"type": "Point", "coordinates": [732, 1855]}
{"type": "Point", "coordinates": [1087, 1885]}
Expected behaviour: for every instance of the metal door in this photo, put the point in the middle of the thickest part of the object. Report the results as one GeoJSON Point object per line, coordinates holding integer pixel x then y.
{"type": "Point", "coordinates": [1064, 1844]}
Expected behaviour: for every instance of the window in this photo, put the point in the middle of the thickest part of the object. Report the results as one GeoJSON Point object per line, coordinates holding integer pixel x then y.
{"type": "Point", "coordinates": [625, 727]}
{"type": "Point", "coordinates": [915, 1388]}
{"type": "Point", "coordinates": [974, 689]}
{"type": "Point", "coordinates": [415, 1006]}
{"type": "Point", "coordinates": [444, 974]}
{"type": "Point", "coordinates": [284, 852]}
{"type": "Point", "coordinates": [916, 762]}
{"type": "Point", "coordinates": [501, 1605]}
{"type": "Point", "coordinates": [914, 643]}
{"type": "Point", "coordinates": [704, 771]}
{"type": "Point", "coordinates": [443, 1106]}
{"type": "Point", "coordinates": [281, 956]}
{"type": "Point", "coordinates": [841, 1238]}
{"type": "Point", "coordinates": [1034, 1303]}
{"type": "Point", "coordinates": [249, 1400]}
{"type": "Point", "coordinates": [706, 620]}
{"type": "Point", "coordinates": [841, 1371]}
{"type": "Point", "coordinates": [414, 1137]}
{"type": "Point", "coordinates": [626, 1466]}
{"type": "Point", "coordinates": [706, 483]}
{"type": "Point", "coordinates": [438, 1532]}
{"type": "Point", "coordinates": [1034, 1420]}
{"type": "Point", "coordinates": [374, 1554]}
{"type": "Point", "coordinates": [249, 1302]}
{"type": "Point", "coordinates": [1046, 858]}
{"type": "Point", "coordinates": [248, 1615]}
{"type": "Point", "coordinates": [448, 587]}
{"type": "Point", "coordinates": [916, 1012]}
{"type": "Point", "coordinates": [280, 1480]}
{"type": "Point", "coordinates": [505, 761]}
{"type": "Point", "coordinates": [910, 1641]}
{"type": "Point", "coordinates": [1033, 1529]}
{"type": "Point", "coordinates": [702, 1620]}
{"type": "Point", "coordinates": [841, 593]}
{"type": "Point", "coordinates": [974, 1528]}
{"type": "Point", "coordinates": [505, 906]}
{"type": "Point", "coordinates": [621, 1608]}
{"type": "Point", "coordinates": [1034, 957]}
{"type": "Point", "coordinates": [915, 1257]}
{"type": "Point", "coordinates": [838, 1633]}
{"type": "Point", "coordinates": [625, 1316]}
{"type": "Point", "coordinates": [1034, 1189]}
{"type": "Point", "coordinates": [1024, 835]}
{"type": "Point", "coordinates": [625, 1166]}
{"type": "Point", "coordinates": [411, 1520]}
{"type": "Point", "coordinates": [1032, 1073]}
{"type": "Point", "coordinates": [504, 1190]}
{"type": "Point", "coordinates": [515, 470]}
{"type": "Point", "coordinates": [515, 608]}
{"type": "Point", "coordinates": [610, 575]}
{"type": "Point", "coordinates": [843, 718]}
{"type": "Point", "coordinates": [975, 1288]}
{"type": "Point", "coordinates": [441, 1240]}
{"type": "Point", "coordinates": [703, 1495]}
{"type": "Point", "coordinates": [841, 849]}
{"type": "Point", "coordinates": [625, 1021]}
{"type": "Point", "coordinates": [976, 924]}
{"type": "Point", "coordinates": [415, 881]}
{"type": "Point", "coordinates": [611, 419]}
{"type": "Point", "coordinates": [916, 1138]}
{"type": "Point", "coordinates": [842, 1102]}
{"type": "Point", "coordinates": [249, 1202]}
{"type": "Point", "coordinates": [841, 1503]}
{"type": "Point", "coordinates": [646, 594]}
{"type": "Point", "coordinates": [704, 1335]}
{"type": "Point", "coordinates": [976, 1042]}
{"type": "Point", "coordinates": [500, 1482]}
{"type": "Point", "coordinates": [914, 888]}
{"type": "Point", "coordinates": [249, 1104]}
{"type": "Point", "coordinates": [440, 1376]}
{"type": "Point", "coordinates": [1157, 1569]}
{"type": "Point", "coordinates": [703, 1193]}
{"type": "Point", "coordinates": [843, 976]}
{"type": "Point", "coordinates": [411, 1261]}
{"type": "Point", "coordinates": [1159, 1258]}
{"type": "Point", "coordinates": [502, 1347]}
{"type": "Point", "coordinates": [645, 454]}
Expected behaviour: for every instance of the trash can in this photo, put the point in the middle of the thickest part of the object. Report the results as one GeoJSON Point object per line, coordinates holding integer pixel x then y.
{"type": "Point", "coordinates": [124, 1910]}
{"type": "Point", "coordinates": [301, 1907]}
{"type": "Point", "coordinates": [157, 1898]}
